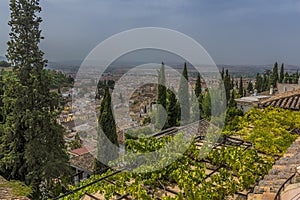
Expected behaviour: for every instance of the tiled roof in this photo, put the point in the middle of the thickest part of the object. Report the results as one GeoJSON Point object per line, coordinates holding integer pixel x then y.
{"type": "Point", "coordinates": [288, 100]}
{"type": "Point", "coordinates": [84, 162]}
{"type": "Point", "coordinates": [79, 151]}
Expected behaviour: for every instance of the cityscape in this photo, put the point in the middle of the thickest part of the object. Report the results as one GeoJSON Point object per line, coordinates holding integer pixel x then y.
{"type": "Point", "coordinates": [143, 110]}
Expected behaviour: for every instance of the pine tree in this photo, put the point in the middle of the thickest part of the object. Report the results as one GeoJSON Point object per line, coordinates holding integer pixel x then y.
{"type": "Point", "coordinates": [183, 94]}
{"type": "Point", "coordinates": [241, 89]}
{"type": "Point", "coordinates": [106, 128]}
{"type": "Point", "coordinates": [161, 98]}
{"type": "Point", "coordinates": [198, 88]}
{"type": "Point", "coordinates": [281, 76]}
{"type": "Point", "coordinates": [32, 145]}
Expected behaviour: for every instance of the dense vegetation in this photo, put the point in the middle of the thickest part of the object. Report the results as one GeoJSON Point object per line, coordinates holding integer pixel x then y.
{"type": "Point", "coordinates": [238, 170]}
{"type": "Point", "coordinates": [32, 148]}
{"type": "Point", "coordinates": [268, 129]}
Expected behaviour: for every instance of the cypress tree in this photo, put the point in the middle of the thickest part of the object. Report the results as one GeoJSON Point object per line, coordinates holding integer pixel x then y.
{"type": "Point", "coordinates": [107, 124]}
{"type": "Point", "coordinates": [32, 145]}
{"type": "Point", "coordinates": [281, 76]}
{"type": "Point", "coordinates": [171, 109]}
{"type": "Point", "coordinates": [227, 84]}
{"type": "Point", "coordinates": [206, 106]}
{"type": "Point", "coordinates": [275, 74]}
{"type": "Point", "coordinates": [198, 88]}
{"type": "Point", "coordinates": [241, 89]}
{"type": "Point", "coordinates": [161, 98]}
{"type": "Point", "coordinates": [250, 87]}
{"type": "Point", "coordinates": [183, 94]}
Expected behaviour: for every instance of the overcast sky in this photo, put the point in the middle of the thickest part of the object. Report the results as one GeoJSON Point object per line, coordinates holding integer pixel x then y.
{"type": "Point", "coordinates": [232, 31]}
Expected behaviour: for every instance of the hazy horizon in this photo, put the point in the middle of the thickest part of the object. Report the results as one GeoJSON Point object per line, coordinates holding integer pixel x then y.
{"type": "Point", "coordinates": [233, 32]}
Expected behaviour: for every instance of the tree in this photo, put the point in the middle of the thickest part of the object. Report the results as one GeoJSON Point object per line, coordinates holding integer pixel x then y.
{"type": "Point", "coordinates": [171, 109]}
{"type": "Point", "coordinates": [241, 89]}
{"type": "Point", "coordinates": [106, 129]}
{"type": "Point", "coordinates": [281, 76]}
{"type": "Point", "coordinates": [32, 145]}
{"type": "Point", "coordinates": [183, 94]}
{"type": "Point", "coordinates": [258, 83]}
{"type": "Point", "coordinates": [161, 98]}
{"type": "Point", "coordinates": [198, 88]}
{"type": "Point", "coordinates": [232, 102]}
{"type": "Point", "coordinates": [250, 87]}
{"type": "Point", "coordinates": [206, 106]}
{"type": "Point", "coordinates": [275, 74]}
{"type": "Point", "coordinates": [227, 84]}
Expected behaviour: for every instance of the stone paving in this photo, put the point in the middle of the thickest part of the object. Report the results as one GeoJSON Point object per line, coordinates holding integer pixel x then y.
{"type": "Point", "coordinates": [283, 169]}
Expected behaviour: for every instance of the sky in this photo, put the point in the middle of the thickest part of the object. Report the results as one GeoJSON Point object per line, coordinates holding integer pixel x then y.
{"type": "Point", "coordinates": [232, 31]}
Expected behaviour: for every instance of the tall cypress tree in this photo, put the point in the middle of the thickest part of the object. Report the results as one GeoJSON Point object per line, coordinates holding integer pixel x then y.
{"type": "Point", "coordinates": [250, 87]}
{"type": "Point", "coordinates": [227, 84]}
{"type": "Point", "coordinates": [241, 89]}
{"type": "Point", "coordinates": [32, 145]}
{"type": "Point", "coordinates": [183, 94]}
{"type": "Point", "coordinates": [281, 76]}
{"type": "Point", "coordinates": [275, 74]}
{"type": "Point", "coordinates": [107, 124]}
{"type": "Point", "coordinates": [198, 88]}
{"type": "Point", "coordinates": [171, 109]}
{"type": "Point", "coordinates": [161, 97]}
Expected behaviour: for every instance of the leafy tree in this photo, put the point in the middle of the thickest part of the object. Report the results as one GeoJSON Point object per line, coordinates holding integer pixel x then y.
{"type": "Point", "coordinates": [161, 98]}
{"type": "Point", "coordinates": [281, 76]}
{"type": "Point", "coordinates": [183, 94]}
{"type": "Point", "coordinates": [198, 88]}
{"type": "Point", "coordinates": [32, 147]}
{"type": "Point", "coordinates": [106, 128]}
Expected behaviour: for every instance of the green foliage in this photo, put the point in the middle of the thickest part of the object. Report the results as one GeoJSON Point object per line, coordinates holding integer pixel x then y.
{"type": "Point", "coordinates": [183, 94]}
{"type": "Point", "coordinates": [76, 143]}
{"type": "Point", "coordinates": [140, 132]}
{"type": "Point", "coordinates": [275, 75]}
{"type": "Point", "coordinates": [172, 109]}
{"type": "Point", "coordinates": [241, 89]}
{"type": "Point", "coordinates": [161, 99]}
{"type": "Point", "coordinates": [32, 147]}
{"type": "Point", "coordinates": [3, 63]}
{"type": "Point", "coordinates": [102, 84]}
{"type": "Point", "coordinates": [18, 188]}
{"type": "Point", "coordinates": [269, 129]}
{"type": "Point", "coordinates": [206, 106]}
{"type": "Point", "coordinates": [59, 80]}
{"type": "Point", "coordinates": [187, 172]}
{"type": "Point", "coordinates": [106, 129]}
{"type": "Point", "coordinates": [281, 75]}
{"type": "Point", "coordinates": [250, 87]}
{"type": "Point", "coordinates": [198, 88]}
